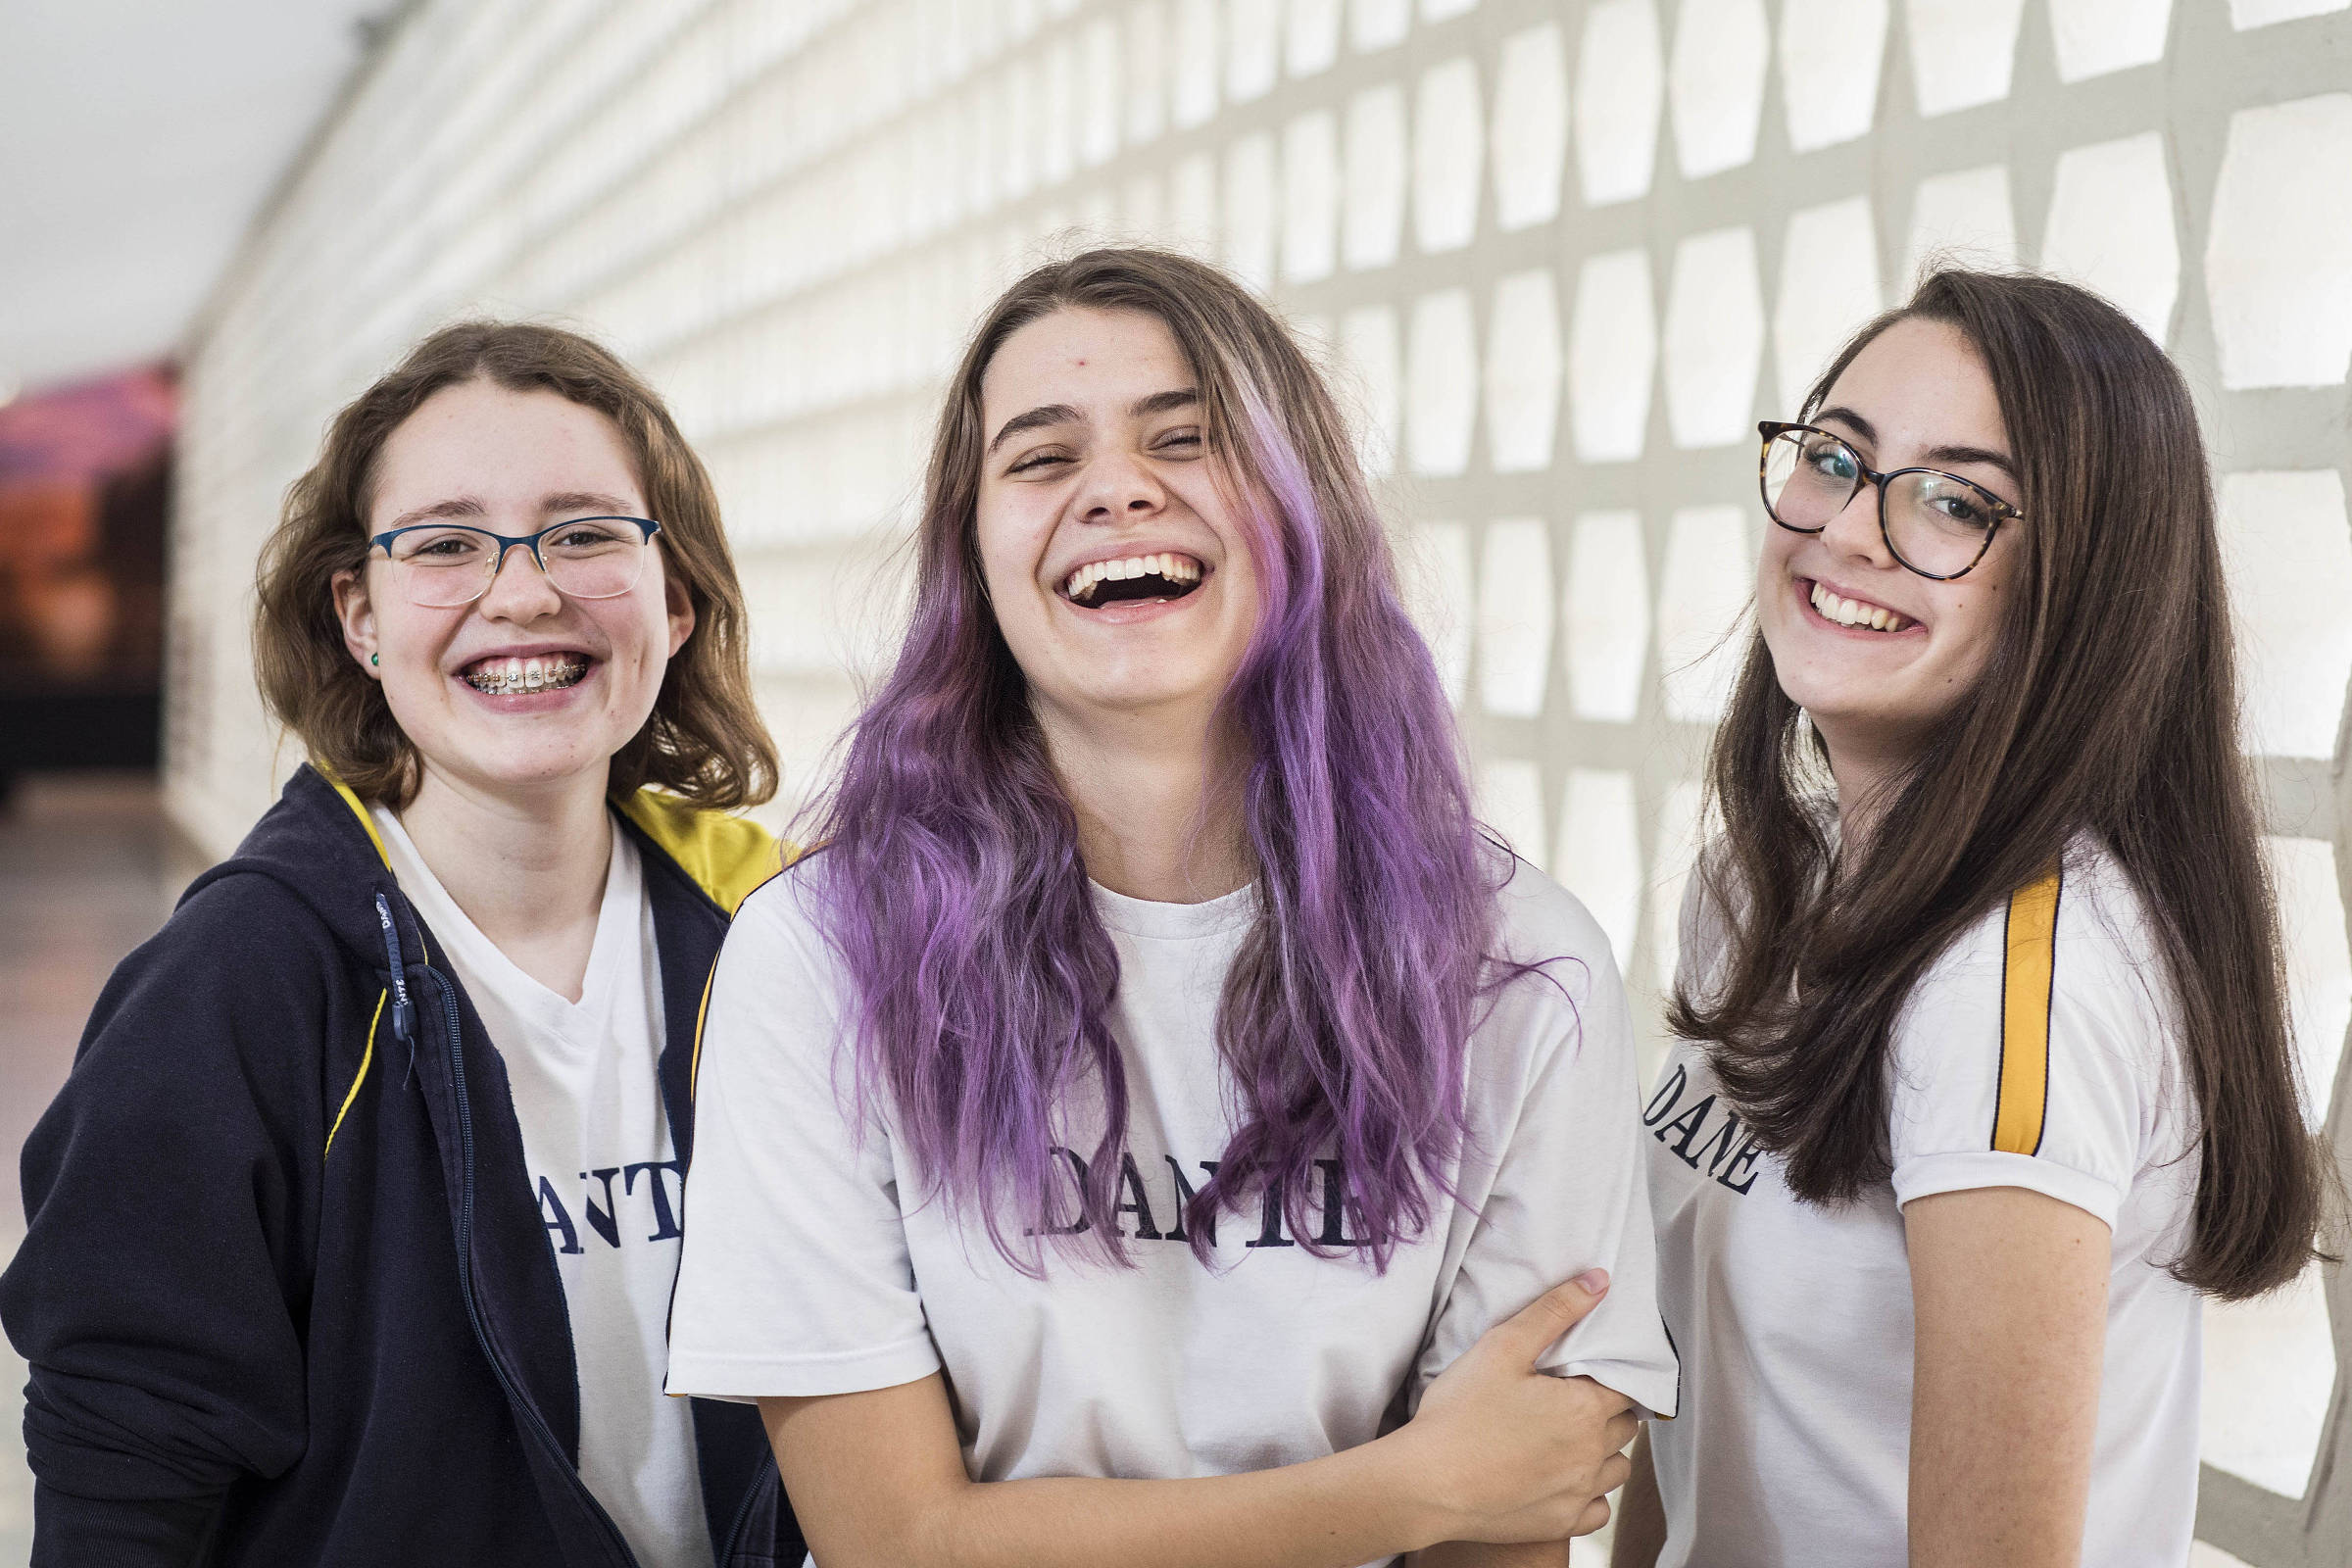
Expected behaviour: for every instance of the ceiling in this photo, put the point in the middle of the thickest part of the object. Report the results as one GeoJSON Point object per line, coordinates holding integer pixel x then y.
{"type": "Point", "coordinates": [137, 140]}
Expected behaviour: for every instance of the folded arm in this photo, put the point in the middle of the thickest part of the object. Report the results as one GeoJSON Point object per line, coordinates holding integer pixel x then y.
{"type": "Point", "coordinates": [1499, 1452]}
{"type": "Point", "coordinates": [878, 1478]}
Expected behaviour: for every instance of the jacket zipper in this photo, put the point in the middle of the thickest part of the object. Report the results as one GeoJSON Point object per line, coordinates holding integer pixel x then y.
{"type": "Point", "coordinates": [743, 1519]}
{"type": "Point", "coordinates": [404, 1011]}
{"type": "Point", "coordinates": [404, 1015]}
{"type": "Point", "coordinates": [532, 1419]}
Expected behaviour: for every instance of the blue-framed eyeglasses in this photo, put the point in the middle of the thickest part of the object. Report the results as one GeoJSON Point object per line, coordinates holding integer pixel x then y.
{"type": "Point", "coordinates": [443, 564]}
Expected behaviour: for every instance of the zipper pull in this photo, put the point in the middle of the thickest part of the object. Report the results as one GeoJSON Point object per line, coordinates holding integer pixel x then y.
{"type": "Point", "coordinates": [404, 1011]}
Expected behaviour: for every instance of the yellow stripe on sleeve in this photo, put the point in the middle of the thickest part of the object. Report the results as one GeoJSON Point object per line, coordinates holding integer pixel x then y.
{"type": "Point", "coordinates": [694, 1068]}
{"type": "Point", "coordinates": [365, 1058]}
{"type": "Point", "coordinates": [2028, 967]}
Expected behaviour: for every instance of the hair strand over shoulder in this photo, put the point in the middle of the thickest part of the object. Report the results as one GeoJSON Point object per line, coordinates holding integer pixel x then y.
{"type": "Point", "coordinates": [2106, 710]}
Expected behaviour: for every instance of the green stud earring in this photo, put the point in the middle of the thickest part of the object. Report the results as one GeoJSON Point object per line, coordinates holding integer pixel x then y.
{"type": "Point", "coordinates": [374, 659]}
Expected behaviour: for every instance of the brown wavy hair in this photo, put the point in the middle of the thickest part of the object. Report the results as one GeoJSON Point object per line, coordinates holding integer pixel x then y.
{"type": "Point", "coordinates": [2108, 707]}
{"type": "Point", "coordinates": [703, 740]}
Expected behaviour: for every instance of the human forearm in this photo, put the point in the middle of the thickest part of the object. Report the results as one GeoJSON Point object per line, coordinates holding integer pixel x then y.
{"type": "Point", "coordinates": [1497, 1451]}
{"type": "Point", "coordinates": [879, 1480]}
{"type": "Point", "coordinates": [2010, 1295]}
{"type": "Point", "coordinates": [1332, 1512]}
{"type": "Point", "coordinates": [1488, 1555]}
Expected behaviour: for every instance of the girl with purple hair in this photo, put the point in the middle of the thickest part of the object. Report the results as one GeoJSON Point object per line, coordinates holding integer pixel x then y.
{"type": "Point", "coordinates": [1157, 1125]}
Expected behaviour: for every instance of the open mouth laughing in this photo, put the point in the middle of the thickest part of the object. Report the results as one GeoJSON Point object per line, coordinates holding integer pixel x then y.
{"type": "Point", "coordinates": [1168, 575]}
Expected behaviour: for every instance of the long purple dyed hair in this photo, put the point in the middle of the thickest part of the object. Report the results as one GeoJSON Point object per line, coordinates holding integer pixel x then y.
{"type": "Point", "coordinates": [981, 980]}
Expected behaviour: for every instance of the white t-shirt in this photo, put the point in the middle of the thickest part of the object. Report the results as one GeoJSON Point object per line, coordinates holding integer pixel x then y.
{"type": "Point", "coordinates": [1795, 1322]}
{"type": "Point", "coordinates": [596, 1143]}
{"type": "Point", "coordinates": [811, 1267]}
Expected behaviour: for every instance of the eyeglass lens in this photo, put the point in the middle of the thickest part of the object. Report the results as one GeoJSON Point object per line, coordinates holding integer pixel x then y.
{"type": "Point", "coordinates": [599, 558]}
{"type": "Point", "coordinates": [1935, 523]}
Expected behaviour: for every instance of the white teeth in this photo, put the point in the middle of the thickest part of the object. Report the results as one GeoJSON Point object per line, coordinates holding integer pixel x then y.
{"type": "Point", "coordinates": [1163, 564]}
{"type": "Point", "coordinates": [1854, 613]}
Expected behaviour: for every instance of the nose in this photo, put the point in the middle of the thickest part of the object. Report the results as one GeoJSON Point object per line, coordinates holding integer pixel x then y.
{"type": "Point", "coordinates": [521, 595]}
{"type": "Point", "coordinates": [1854, 534]}
{"type": "Point", "coordinates": [1119, 488]}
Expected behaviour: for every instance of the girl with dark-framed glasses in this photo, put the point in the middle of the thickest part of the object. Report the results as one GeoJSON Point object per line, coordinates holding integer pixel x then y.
{"type": "Point", "coordinates": [353, 1231]}
{"type": "Point", "coordinates": [1984, 1079]}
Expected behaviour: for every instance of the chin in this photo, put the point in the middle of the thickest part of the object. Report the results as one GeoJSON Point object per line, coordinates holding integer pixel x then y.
{"type": "Point", "coordinates": [1135, 696]}
{"type": "Point", "coordinates": [1833, 704]}
{"type": "Point", "coordinates": [1139, 682]}
{"type": "Point", "coordinates": [1845, 685]}
{"type": "Point", "coordinates": [534, 769]}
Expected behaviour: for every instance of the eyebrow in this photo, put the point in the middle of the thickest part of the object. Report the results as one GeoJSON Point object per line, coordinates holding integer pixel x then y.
{"type": "Point", "coordinates": [1851, 420]}
{"type": "Point", "coordinates": [1165, 402]}
{"type": "Point", "coordinates": [1984, 454]}
{"type": "Point", "coordinates": [1051, 414]}
{"type": "Point", "coordinates": [585, 501]}
{"type": "Point", "coordinates": [1941, 454]}
{"type": "Point", "coordinates": [1037, 419]}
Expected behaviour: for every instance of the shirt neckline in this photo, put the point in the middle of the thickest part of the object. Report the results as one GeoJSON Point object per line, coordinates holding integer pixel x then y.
{"type": "Point", "coordinates": [1147, 918]}
{"type": "Point", "coordinates": [616, 926]}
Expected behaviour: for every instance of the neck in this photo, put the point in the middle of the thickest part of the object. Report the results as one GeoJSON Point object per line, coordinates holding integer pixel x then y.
{"type": "Point", "coordinates": [527, 865]}
{"type": "Point", "coordinates": [1154, 800]}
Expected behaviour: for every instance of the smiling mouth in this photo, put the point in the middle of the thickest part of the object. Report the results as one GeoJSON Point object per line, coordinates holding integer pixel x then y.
{"type": "Point", "coordinates": [1170, 574]}
{"type": "Point", "coordinates": [1855, 613]}
{"type": "Point", "coordinates": [509, 677]}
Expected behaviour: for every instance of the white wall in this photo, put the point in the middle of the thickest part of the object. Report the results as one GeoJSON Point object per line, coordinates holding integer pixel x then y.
{"type": "Point", "coordinates": [1560, 254]}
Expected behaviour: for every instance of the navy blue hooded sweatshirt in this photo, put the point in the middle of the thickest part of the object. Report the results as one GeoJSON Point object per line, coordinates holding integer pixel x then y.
{"type": "Point", "coordinates": [286, 1293]}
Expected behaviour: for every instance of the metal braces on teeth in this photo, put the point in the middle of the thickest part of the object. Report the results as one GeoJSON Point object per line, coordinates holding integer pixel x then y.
{"type": "Point", "coordinates": [528, 681]}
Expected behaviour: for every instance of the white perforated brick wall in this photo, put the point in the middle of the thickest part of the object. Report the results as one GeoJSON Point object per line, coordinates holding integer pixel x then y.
{"type": "Point", "coordinates": [1560, 257]}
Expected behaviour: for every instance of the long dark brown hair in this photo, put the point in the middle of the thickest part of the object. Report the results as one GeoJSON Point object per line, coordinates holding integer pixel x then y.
{"type": "Point", "coordinates": [2107, 708]}
{"type": "Point", "coordinates": [703, 740]}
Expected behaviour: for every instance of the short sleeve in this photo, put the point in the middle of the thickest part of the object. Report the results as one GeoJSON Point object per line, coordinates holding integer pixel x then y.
{"type": "Point", "coordinates": [2031, 1055]}
{"type": "Point", "coordinates": [1555, 1092]}
{"type": "Point", "coordinates": [795, 1278]}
